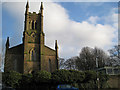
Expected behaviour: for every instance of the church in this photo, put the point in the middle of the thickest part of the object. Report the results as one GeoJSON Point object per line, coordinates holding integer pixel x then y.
{"type": "Point", "coordinates": [32, 55]}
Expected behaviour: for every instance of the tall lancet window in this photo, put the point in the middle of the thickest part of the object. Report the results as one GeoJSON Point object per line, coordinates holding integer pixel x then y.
{"type": "Point", "coordinates": [15, 65]}
{"type": "Point", "coordinates": [30, 23]}
{"type": "Point", "coordinates": [33, 24]}
{"type": "Point", "coordinates": [50, 67]}
{"type": "Point", "coordinates": [33, 55]}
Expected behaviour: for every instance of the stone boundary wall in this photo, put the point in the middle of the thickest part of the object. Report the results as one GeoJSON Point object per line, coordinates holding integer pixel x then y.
{"type": "Point", "coordinates": [114, 81]}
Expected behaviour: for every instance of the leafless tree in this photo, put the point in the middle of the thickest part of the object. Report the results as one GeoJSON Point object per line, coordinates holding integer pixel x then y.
{"type": "Point", "coordinates": [115, 56]}
{"type": "Point", "coordinates": [70, 63]}
{"type": "Point", "coordinates": [88, 58]}
{"type": "Point", "coordinates": [61, 63]}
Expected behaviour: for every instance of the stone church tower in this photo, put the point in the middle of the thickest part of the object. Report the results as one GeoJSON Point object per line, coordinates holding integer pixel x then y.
{"type": "Point", "coordinates": [32, 54]}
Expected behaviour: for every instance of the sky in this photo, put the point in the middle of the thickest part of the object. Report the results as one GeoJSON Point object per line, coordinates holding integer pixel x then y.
{"type": "Point", "coordinates": [74, 24]}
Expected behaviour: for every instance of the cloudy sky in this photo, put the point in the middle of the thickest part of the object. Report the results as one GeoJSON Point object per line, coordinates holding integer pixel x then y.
{"type": "Point", "coordinates": [74, 24]}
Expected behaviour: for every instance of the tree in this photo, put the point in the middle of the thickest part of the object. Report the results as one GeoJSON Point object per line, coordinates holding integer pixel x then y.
{"type": "Point", "coordinates": [90, 75]}
{"type": "Point", "coordinates": [103, 78]}
{"type": "Point", "coordinates": [61, 63]}
{"type": "Point", "coordinates": [90, 58]}
{"type": "Point", "coordinates": [114, 56]}
{"type": "Point", "coordinates": [101, 57]}
{"type": "Point", "coordinates": [87, 58]}
{"type": "Point", "coordinates": [2, 57]}
{"type": "Point", "coordinates": [70, 63]}
{"type": "Point", "coordinates": [11, 78]}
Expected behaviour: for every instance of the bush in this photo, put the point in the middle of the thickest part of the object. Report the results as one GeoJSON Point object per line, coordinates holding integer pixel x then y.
{"type": "Point", "coordinates": [42, 76]}
{"type": "Point", "coordinates": [26, 80]}
{"type": "Point", "coordinates": [77, 76]}
{"type": "Point", "coordinates": [68, 76]}
{"type": "Point", "coordinates": [41, 79]}
{"type": "Point", "coordinates": [90, 75]}
{"type": "Point", "coordinates": [61, 76]}
{"type": "Point", "coordinates": [11, 78]}
{"type": "Point", "coordinates": [103, 78]}
{"type": "Point", "coordinates": [90, 80]}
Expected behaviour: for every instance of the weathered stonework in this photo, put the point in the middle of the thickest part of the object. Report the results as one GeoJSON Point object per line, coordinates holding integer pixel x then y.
{"type": "Point", "coordinates": [32, 54]}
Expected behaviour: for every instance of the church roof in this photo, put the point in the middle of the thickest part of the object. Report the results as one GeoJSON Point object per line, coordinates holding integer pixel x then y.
{"type": "Point", "coordinates": [16, 49]}
{"type": "Point", "coordinates": [49, 51]}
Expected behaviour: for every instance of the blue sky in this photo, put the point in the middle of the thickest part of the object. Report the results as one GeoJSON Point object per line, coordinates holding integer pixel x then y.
{"type": "Point", "coordinates": [80, 24]}
{"type": "Point", "coordinates": [83, 10]}
{"type": "Point", "coordinates": [9, 27]}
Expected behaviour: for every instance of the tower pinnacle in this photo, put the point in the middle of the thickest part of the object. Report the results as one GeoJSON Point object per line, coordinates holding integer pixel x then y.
{"type": "Point", "coordinates": [41, 8]}
{"type": "Point", "coordinates": [56, 49]}
{"type": "Point", "coordinates": [56, 45]}
{"type": "Point", "coordinates": [27, 5]}
{"type": "Point", "coordinates": [41, 18]}
{"type": "Point", "coordinates": [41, 5]}
{"type": "Point", "coordinates": [7, 43]}
{"type": "Point", "coordinates": [27, 8]}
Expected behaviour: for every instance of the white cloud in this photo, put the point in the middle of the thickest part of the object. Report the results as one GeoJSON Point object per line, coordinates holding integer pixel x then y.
{"type": "Point", "coordinates": [112, 19]}
{"type": "Point", "coordinates": [94, 19]}
{"type": "Point", "coordinates": [56, 18]}
{"type": "Point", "coordinates": [72, 35]}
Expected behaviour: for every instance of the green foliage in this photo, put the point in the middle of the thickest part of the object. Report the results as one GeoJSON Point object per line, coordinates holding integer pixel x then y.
{"type": "Point", "coordinates": [90, 84]}
{"type": "Point", "coordinates": [90, 80]}
{"type": "Point", "coordinates": [103, 78]}
{"type": "Point", "coordinates": [42, 76]}
{"type": "Point", "coordinates": [86, 79]}
{"type": "Point", "coordinates": [11, 78]}
{"type": "Point", "coordinates": [26, 80]}
{"type": "Point", "coordinates": [90, 75]}
{"type": "Point", "coordinates": [77, 76]}
{"type": "Point", "coordinates": [68, 76]}
{"type": "Point", "coordinates": [62, 76]}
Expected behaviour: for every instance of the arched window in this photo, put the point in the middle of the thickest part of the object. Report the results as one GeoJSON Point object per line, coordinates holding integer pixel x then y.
{"type": "Point", "coordinates": [15, 65]}
{"type": "Point", "coordinates": [33, 24]}
{"type": "Point", "coordinates": [30, 24]}
{"type": "Point", "coordinates": [50, 67]}
{"type": "Point", "coordinates": [33, 55]}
